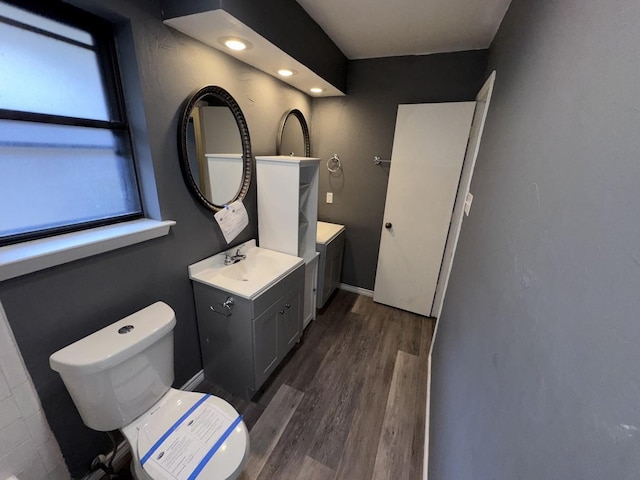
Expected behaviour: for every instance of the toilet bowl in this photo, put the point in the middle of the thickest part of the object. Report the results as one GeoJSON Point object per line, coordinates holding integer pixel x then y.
{"type": "Point", "coordinates": [120, 378]}
{"type": "Point", "coordinates": [227, 458]}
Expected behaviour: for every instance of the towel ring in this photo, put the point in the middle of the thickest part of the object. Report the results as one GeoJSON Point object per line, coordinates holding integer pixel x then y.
{"type": "Point", "coordinates": [334, 164]}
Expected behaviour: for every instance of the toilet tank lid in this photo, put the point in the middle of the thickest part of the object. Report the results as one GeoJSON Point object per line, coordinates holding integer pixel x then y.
{"type": "Point", "coordinates": [115, 343]}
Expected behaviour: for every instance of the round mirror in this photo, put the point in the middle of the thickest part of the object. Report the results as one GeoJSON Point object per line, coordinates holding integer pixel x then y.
{"type": "Point", "coordinates": [293, 136]}
{"type": "Point", "coordinates": [215, 150]}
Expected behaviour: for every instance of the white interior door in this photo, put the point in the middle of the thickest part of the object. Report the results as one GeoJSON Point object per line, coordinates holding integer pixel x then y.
{"type": "Point", "coordinates": [428, 151]}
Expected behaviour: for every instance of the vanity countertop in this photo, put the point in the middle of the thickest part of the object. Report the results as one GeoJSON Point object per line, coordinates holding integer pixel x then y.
{"type": "Point", "coordinates": [247, 278]}
{"type": "Point", "coordinates": [328, 231]}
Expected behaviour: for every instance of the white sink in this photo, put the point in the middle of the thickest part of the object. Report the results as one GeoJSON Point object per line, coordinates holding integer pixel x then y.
{"type": "Point", "coordinates": [249, 277]}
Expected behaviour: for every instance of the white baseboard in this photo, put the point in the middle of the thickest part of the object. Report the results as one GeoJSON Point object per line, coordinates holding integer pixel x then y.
{"type": "Point", "coordinates": [123, 447]}
{"type": "Point", "coordinates": [427, 424]}
{"type": "Point", "coordinates": [193, 382]}
{"type": "Point", "coordinates": [358, 290]}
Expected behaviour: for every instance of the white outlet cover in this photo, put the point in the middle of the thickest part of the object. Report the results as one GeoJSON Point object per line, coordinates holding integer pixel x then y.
{"type": "Point", "coordinates": [329, 197]}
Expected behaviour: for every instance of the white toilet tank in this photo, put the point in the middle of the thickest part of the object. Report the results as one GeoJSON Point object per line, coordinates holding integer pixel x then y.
{"type": "Point", "coordinates": [116, 374]}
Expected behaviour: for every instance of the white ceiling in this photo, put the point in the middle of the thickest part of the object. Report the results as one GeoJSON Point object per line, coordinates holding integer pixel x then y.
{"type": "Point", "coordinates": [385, 28]}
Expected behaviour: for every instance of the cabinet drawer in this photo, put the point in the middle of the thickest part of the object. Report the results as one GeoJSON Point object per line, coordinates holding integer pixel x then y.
{"type": "Point", "coordinates": [266, 299]}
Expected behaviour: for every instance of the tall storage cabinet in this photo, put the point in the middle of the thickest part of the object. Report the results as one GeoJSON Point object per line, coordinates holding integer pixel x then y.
{"type": "Point", "coordinates": [288, 214]}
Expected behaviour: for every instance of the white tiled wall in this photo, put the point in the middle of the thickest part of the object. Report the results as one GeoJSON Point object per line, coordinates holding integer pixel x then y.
{"type": "Point", "coordinates": [27, 446]}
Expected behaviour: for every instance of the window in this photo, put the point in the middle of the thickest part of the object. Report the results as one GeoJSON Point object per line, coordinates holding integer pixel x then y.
{"type": "Point", "coordinates": [66, 160]}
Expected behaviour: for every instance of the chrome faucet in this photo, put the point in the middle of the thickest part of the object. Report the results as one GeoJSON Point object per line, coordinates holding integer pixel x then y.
{"type": "Point", "coordinates": [231, 259]}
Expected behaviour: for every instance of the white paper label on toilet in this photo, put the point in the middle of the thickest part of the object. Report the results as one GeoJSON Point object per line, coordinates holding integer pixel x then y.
{"type": "Point", "coordinates": [183, 451]}
{"type": "Point", "coordinates": [232, 219]}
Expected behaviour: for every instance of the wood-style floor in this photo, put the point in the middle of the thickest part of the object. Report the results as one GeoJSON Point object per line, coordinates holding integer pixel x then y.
{"type": "Point", "coordinates": [348, 402]}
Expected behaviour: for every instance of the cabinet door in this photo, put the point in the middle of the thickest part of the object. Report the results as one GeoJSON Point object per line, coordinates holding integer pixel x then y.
{"type": "Point", "coordinates": [225, 342]}
{"type": "Point", "coordinates": [327, 277]}
{"type": "Point", "coordinates": [265, 343]}
{"type": "Point", "coordinates": [336, 265]}
{"type": "Point", "coordinates": [289, 321]}
{"type": "Point", "coordinates": [310, 281]}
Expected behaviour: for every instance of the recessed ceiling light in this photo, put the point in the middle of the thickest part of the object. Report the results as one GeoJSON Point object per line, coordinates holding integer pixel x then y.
{"type": "Point", "coordinates": [285, 72]}
{"type": "Point", "coordinates": [235, 43]}
{"type": "Point", "coordinates": [317, 90]}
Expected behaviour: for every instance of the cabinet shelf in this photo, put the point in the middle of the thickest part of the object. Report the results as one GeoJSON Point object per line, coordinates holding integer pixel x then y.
{"type": "Point", "coordinates": [303, 221]}
{"type": "Point", "coordinates": [304, 187]}
{"type": "Point", "coordinates": [304, 195]}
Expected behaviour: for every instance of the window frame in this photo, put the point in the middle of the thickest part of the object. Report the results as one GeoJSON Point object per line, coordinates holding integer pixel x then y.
{"type": "Point", "coordinates": [103, 35]}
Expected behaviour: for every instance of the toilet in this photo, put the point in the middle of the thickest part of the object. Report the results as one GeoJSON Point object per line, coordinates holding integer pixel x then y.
{"type": "Point", "coordinates": [120, 378]}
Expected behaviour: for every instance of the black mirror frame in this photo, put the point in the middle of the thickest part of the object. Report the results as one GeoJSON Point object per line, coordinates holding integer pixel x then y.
{"type": "Point", "coordinates": [247, 159]}
{"type": "Point", "coordinates": [305, 131]}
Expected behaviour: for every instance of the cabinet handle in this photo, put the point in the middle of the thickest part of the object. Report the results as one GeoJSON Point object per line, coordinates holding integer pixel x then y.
{"type": "Point", "coordinates": [281, 312]}
{"type": "Point", "coordinates": [287, 305]}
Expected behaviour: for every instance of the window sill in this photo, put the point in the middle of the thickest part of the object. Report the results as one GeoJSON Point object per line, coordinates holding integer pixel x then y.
{"type": "Point", "coordinates": [28, 257]}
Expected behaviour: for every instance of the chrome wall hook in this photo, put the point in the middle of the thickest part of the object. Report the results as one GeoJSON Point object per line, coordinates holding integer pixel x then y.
{"type": "Point", "coordinates": [378, 160]}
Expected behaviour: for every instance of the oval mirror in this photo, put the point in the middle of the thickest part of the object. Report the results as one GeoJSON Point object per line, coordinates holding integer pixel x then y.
{"type": "Point", "coordinates": [293, 135]}
{"type": "Point", "coordinates": [215, 150]}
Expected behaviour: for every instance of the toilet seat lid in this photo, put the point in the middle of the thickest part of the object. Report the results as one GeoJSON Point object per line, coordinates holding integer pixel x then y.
{"type": "Point", "coordinates": [191, 436]}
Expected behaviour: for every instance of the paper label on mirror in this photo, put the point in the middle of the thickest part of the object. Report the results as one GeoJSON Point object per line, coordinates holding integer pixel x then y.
{"type": "Point", "coordinates": [232, 219]}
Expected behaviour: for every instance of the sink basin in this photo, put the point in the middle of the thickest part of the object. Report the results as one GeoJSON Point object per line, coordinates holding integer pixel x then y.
{"type": "Point", "coordinates": [257, 263]}
{"type": "Point", "coordinates": [247, 278]}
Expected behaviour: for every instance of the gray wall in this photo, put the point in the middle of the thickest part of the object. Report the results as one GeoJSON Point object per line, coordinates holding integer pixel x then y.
{"type": "Point", "coordinates": [535, 368]}
{"type": "Point", "coordinates": [50, 309]}
{"type": "Point", "coordinates": [361, 125]}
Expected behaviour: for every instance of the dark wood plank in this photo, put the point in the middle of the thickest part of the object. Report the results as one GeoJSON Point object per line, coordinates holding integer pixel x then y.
{"type": "Point", "coordinates": [393, 459]}
{"type": "Point", "coordinates": [341, 403]}
{"type": "Point", "coordinates": [313, 470]}
{"type": "Point", "coordinates": [362, 304]}
{"type": "Point", "coordinates": [327, 327]}
{"type": "Point", "coordinates": [268, 429]}
{"type": "Point", "coordinates": [410, 339]}
{"type": "Point", "coordinates": [298, 438]}
{"type": "Point", "coordinates": [362, 442]}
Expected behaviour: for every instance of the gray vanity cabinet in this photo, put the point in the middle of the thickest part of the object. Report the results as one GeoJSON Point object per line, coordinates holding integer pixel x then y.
{"type": "Point", "coordinates": [330, 244]}
{"type": "Point", "coordinates": [242, 345]}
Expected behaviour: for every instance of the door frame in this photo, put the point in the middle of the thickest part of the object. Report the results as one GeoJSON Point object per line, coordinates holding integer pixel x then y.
{"type": "Point", "coordinates": [484, 95]}
{"type": "Point", "coordinates": [483, 99]}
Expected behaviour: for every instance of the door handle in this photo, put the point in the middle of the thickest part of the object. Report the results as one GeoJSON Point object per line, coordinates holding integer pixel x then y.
{"type": "Point", "coordinates": [388, 225]}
